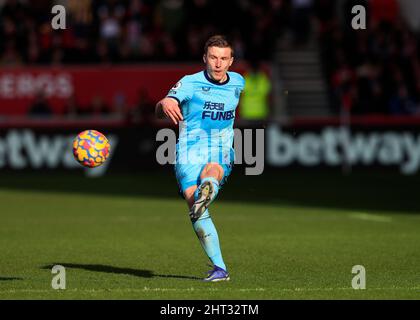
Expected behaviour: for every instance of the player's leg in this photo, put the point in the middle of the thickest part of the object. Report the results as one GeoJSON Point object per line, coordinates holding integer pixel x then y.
{"type": "Point", "coordinates": [189, 195]}
{"type": "Point", "coordinates": [209, 239]}
{"type": "Point", "coordinates": [210, 178]}
{"type": "Point", "coordinates": [203, 226]}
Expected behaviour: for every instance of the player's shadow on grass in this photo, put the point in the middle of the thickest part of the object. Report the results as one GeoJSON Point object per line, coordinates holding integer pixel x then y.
{"type": "Point", "coordinates": [117, 270]}
{"type": "Point", "coordinates": [10, 278]}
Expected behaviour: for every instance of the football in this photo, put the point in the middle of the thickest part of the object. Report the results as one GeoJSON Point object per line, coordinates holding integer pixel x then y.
{"type": "Point", "coordinates": [91, 148]}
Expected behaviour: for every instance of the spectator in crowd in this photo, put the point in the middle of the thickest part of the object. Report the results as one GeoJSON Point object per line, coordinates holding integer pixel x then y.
{"type": "Point", "coordinates": [144, 110]}
{"type": "Point", "coordinates": [255, 97]}
{"type": "Point", "coordinates": [10, 56]}
{"type": "Point", "coordinates": [119, 107]}
{"type": "Point", "coordinates": [98, 107]}
{"type": "Point", "coordinates": [402, 103]}
{"type": "Point", "coordinates": [71, 108]}
{"type": "Point", "coordinates": [40, 106]}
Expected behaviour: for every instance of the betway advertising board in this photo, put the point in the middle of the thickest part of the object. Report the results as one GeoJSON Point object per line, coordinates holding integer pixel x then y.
{"type": "Point", "coordinates": [134, 148]}
{"type": "Point", "coordinates": [333, 146]}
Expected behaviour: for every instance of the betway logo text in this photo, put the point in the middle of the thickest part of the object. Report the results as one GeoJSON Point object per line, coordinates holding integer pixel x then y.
{"type": "Point", "coordinates": [23, 150]}
{"type": "Point", "coordinates": [336, 146]}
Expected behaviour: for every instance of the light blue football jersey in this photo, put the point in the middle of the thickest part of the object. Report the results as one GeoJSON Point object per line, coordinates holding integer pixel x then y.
{"type": "Point", "coordinates": [208, 108]}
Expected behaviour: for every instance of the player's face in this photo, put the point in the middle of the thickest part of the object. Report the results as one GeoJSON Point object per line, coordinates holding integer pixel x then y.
{"type": "Point", "coordinates": [218, 60]}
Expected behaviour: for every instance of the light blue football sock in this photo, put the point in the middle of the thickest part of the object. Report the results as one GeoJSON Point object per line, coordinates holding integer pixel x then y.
{"type": "Point", "coordinates": [209, 239]}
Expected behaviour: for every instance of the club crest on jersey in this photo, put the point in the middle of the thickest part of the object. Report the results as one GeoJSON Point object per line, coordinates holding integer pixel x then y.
{"type": "Point", "coordinates": [205, 89]}
{"type": "Point", "coordinates": [177, 85]}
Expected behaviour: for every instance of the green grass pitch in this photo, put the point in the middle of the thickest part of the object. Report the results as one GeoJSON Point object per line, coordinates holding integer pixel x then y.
{"type": "Point", "coordinates": [285, 235]}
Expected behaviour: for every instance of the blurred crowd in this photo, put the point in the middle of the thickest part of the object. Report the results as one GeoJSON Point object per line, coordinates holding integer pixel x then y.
{"type": "Point", "coordinates": [371, 71]}
{"type": "Point", "coordinates": [130, 31]}
{"type": "Point", "coordinates": [134, 30]}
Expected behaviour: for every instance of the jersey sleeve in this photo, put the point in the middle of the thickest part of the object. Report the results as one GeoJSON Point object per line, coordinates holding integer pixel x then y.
{"type": "Point", "coordinates": [182, 91]}
{"type": "Point", "coordinates": [239, 80]}
{"type": "Point", "coordinates": [242, 82]}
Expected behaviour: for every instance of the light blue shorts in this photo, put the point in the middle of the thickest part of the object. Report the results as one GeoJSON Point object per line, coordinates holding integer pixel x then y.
{"type": "Point", "coordinates": [188, 174]}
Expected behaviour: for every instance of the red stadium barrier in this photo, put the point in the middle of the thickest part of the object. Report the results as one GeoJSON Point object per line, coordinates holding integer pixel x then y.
{"type": "Point", "coordinates": [19, 86]}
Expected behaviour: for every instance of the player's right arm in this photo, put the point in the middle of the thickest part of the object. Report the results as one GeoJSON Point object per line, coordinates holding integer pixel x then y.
{"type": "Point", "coordinates": [168, 107]}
